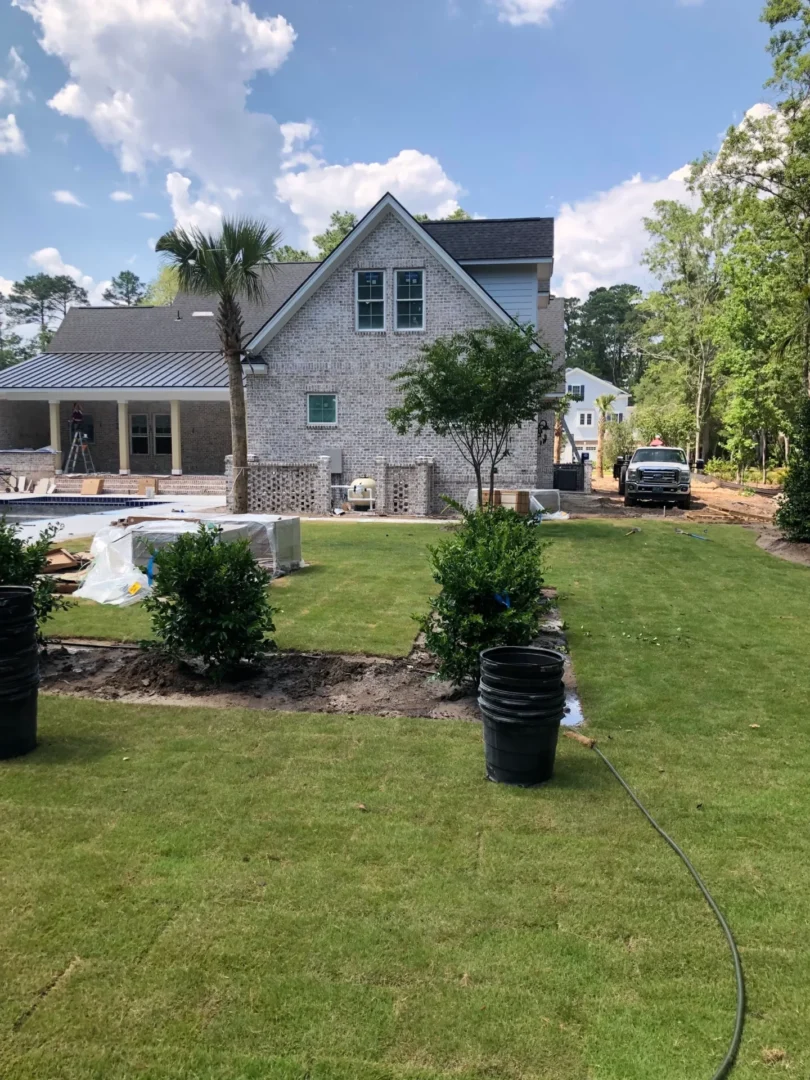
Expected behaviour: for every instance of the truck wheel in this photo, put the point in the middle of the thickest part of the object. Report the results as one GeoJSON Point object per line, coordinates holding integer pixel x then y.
{"type": "Point", "coordinates": [686, 502]}
{"type": "Point", "coordinates": [629, 500]}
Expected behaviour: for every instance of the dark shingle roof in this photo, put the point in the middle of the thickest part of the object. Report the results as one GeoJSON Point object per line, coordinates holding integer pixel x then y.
{"type": "Point", "coordinates": [117, 371]}
{"type": "Point", "coordinates": [495, 238]}
{"type": "Point", "coordinates": [158, 329]}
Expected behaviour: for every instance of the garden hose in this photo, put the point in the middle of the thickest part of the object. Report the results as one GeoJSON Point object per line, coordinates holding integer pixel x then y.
{"type": "Point", "coordinates": [734, 1046]}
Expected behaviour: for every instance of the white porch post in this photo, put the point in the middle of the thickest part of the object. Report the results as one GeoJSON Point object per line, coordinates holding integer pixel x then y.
{"type": "Point", "coordinates": [177, 446]}
{"type": "Point", "coordinates": [123, 438]}
{"type": "Point", "coordinates": [56, 430]}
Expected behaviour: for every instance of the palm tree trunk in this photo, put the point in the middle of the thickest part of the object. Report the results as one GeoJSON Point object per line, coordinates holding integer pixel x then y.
{"type": "Point", "coordinates": [557, 439]}
{"type": "Point", "coordinates": [229, 319]}
{"type": "Point", "coordinates": [600, 446]}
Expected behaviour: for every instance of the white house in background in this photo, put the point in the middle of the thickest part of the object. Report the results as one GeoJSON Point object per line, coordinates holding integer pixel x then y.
{"type": "Point", "coordinates": [582, 417]}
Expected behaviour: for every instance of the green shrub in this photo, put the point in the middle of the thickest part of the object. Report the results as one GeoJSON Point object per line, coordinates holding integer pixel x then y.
{"type": "Point", "coordinates": [209, 600]}
{"type": "Point", "coordinates": [793, 515]}
{"type": "Point", "coordinates": [490, 570]}
{"type": "Point", "coordinates": [21, 563]}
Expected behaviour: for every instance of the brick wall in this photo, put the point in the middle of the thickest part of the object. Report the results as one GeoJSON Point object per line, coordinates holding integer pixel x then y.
{"type": "Point", "coordinates": [24, 425]}
{"type": "Point", "coordinates": [319, 351]}
{"type": "Point", "coordinates": [34, 466]}
{"type": "Point", "coordinates": [278, 487]}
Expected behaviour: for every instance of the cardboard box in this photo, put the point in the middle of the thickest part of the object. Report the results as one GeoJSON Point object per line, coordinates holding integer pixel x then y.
{"type": "Point", "coordinates": [496, 497]}
{"type": "Point", "coordinates": [93, 486]}
{"type": "Point", "coordinates": [148, 482]}
{"type": "Point", "coordinates": [516, 500]}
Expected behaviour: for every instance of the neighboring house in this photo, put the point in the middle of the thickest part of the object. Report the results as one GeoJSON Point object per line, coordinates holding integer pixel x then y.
{"type": "Point", "coordinates": [318, 365]}
{"type": "Point", "coordinates": [582, 418]}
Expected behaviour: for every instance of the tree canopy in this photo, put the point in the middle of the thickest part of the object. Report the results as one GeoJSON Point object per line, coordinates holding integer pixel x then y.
{"type": "Point", "coordinates": [475, 388]}
{"type": "Point", "coordinates": [600, 333]}
{"type": "Point", "coordinates": [125, 290]}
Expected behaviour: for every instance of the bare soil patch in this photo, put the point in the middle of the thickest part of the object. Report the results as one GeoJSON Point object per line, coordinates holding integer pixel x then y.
{"type": "Point", "coordinates": [771, 541]}
{"type": "Point", "coordinates": [297, 682]}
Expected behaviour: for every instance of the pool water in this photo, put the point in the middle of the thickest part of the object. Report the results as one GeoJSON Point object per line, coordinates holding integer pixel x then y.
{"type": "Point", "coordinates": [53, 507]}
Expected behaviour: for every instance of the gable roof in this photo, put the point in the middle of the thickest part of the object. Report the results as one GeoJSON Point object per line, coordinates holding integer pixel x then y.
{"type": "Point", "coordinates": [158, 329]}
{"type": "Point", "coordinates": [495, 239]}
{"type": "Point", "coordinates": [347, 246]}
{"type": "Point", "coordinates": [581, 371]}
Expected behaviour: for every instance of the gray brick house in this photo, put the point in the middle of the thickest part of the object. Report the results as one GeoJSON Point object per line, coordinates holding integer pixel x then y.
{"type": "Point", "coordinates": [323, 345]}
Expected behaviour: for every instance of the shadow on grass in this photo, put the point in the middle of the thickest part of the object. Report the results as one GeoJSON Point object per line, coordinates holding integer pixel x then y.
{"type": "Point", "coordinates": [76, 749]}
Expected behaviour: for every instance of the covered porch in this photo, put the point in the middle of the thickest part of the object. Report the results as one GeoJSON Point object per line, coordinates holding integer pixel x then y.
{"type": "Point", "coordinates": [155, 414]}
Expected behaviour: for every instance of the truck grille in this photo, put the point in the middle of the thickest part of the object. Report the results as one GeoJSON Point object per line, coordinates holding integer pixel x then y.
{"type": "Point", "coordinates": [659, 476]}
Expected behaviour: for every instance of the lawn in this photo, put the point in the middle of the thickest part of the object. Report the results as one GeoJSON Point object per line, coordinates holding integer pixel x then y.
{"type": "Point", "coordinates": [362, 584]}
{"type": "Point", "coordinates": [245, 894]}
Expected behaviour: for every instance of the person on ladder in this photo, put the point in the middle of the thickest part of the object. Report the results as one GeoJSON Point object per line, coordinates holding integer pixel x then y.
{"type": "Point", "coordinates": [76, 420]}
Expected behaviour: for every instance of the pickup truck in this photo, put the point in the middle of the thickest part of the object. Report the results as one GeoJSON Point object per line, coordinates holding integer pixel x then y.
{"type": "Point", "coordinates": [657, 474]}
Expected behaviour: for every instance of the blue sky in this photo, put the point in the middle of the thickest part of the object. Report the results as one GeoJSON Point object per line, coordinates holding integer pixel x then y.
{"type": "Point", "coordinates": [193, 108]}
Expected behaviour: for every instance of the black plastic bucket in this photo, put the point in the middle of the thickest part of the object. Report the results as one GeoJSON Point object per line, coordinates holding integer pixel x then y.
{"type": "Point", "coordinates": [19, 671]}
{"type": "Point", "coordinates": [522, 701]}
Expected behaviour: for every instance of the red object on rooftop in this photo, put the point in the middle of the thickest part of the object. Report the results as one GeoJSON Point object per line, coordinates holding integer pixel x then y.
{"type": "Point", "coordinates": [656, 442]}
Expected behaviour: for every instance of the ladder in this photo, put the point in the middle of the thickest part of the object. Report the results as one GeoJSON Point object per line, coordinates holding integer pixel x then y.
{"type": "Point", "coordinates": [77, 447]}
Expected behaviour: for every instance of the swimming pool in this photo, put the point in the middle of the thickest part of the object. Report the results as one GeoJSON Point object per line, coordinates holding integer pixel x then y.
{"type": "Point", "coordinates": [53, 507]}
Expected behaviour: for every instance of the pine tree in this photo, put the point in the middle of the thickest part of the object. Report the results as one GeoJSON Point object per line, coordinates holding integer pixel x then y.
{"type": "Point", "coordinates": [793, 516]}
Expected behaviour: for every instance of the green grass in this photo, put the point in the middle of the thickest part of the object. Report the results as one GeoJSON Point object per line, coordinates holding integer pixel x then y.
{"type": "Point", "coordinates": [232, 913]}
{"type": "Point", "coordinates": [357, 595]}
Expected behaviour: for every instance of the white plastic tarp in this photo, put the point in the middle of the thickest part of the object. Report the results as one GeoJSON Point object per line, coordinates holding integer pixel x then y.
{"type": "Point", "coordinates": [119, 552]}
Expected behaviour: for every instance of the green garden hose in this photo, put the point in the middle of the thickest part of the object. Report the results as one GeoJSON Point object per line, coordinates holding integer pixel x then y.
{"type": "Point", "coordinates": [734, 1046]}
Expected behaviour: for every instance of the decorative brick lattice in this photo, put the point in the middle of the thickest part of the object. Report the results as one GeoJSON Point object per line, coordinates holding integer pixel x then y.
{"type": "Point", "coordinates": [277, 487]}
{"type": "Point", "coordinates": [401, 478]}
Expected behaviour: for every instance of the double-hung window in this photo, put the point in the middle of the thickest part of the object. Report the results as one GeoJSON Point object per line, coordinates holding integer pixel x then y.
{"type": "Point", "coordinates": [410, 299]}
{"type": "Point", "coordinates": [585, 419]}
{"type": "Point", "coordinates": [322, 409]}
{"type": "Point", "coordinates": [370, 299]}
{"type": "Point", "coordinates": [162, 424]}
{"type": "Point", "coordinates": [577, 392]}
{"type": "Point", "coordinates": [139, 433]}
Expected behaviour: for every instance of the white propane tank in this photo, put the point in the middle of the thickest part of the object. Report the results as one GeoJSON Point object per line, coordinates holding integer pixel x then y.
{"type": "Point", "coordinates": [362, 493]}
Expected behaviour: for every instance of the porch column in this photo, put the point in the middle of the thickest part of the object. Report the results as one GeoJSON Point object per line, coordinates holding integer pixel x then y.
{"type": "Point", "coordinates": [123, 438]}
{"type": "Point", "coordinates": [56, 430]}
{"type": "Point", "coordinates": [177, 445]}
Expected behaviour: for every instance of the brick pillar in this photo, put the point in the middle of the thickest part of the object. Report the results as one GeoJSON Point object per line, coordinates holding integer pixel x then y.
{"type": "Point", "coordinates": [382, 476]}
{"type": "Point", "coordinates": [323, 497]}
{"type": "Point", "coordinates": [588, 486]}
{"type": "Point", "coordinates": [422, 502]}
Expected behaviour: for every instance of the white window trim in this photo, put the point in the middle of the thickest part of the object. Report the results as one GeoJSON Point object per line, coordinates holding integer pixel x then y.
{"type": "Point", "coordinates": [325, 393]}
{"type": "Point", "coordinates": [411, 329]}
{"type": "Point", "coordinates": [370, 329]}
{"type": "Point", "coordinates": [583, 421]}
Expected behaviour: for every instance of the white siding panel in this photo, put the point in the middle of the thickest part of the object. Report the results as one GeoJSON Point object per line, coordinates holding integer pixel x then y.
{"type": "Point", "coordinates": [514, 288]}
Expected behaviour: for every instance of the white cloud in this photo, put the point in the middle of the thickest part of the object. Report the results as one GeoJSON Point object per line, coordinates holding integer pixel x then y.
{"type": "Point", "coordinates": [67, 198]}
{"type": "Point", "coordinates": [150, 215]}
{"type": "Point", "coordinates": [599, 240]}
{"type": "Point", "coordinates": [525, 12]}
{"type": "Point", "coordinates": [191, 215]}
{"type": "Point", "coordinates": [6, 285]}
{"type": "Point", "coordinates": [314, 189]}
{"type": "Point", "coordinates": [12, 140]}
{"type": "Point", "coordinates": [169, 81]}
{"type": "Point", "coordinates": [151, 243]}
{"type": "Point", "coordinates": [49, 261]}
{"type": "Point", "coordinates": [16, 75]}
{"type": "Point", "coordinates": [121, 196]}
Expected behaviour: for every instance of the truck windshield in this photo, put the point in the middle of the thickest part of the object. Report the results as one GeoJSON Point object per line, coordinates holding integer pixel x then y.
{"type": "Point", "coordinates": [655, 453]}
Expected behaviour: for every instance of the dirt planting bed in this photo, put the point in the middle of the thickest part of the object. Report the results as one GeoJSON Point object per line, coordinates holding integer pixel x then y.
{"type": "Point", "coordinates": [299, 682]}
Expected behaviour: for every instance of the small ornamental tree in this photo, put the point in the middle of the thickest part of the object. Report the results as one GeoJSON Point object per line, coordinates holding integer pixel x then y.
{"type": "Point", "coordinates": [490, 571]}
{"type": "Point", "coordinates": [209, 600]}
{"type": "Point", "coordinates": [793, 515]}
{"type": "Point", "coordinates": [603, 405]}
{"type": "Point", "coordinates": [475, 388]}
{"type": "Point", "coordinates": [22, 562]}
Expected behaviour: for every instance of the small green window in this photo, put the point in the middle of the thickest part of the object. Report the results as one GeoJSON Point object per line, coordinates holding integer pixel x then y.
{"type": "Point", "coordinates": [321, 408]}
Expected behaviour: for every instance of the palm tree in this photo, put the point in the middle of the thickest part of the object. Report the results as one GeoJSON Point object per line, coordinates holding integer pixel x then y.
{"type": "Point", "coordinates": [603, 404]}
{"type": "Point", "coordinates": [230, 267]}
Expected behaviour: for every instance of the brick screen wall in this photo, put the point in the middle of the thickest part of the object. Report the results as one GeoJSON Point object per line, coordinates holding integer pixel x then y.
{"type": "Point", "coordinates": [319, 351]}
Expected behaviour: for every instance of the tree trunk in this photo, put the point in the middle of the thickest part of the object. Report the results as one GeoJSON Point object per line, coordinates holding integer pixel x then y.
{"type": "Point", "coordinates": [238, 432]}
{"type": "Point", "coordinates": [479, 483]}
{"type": "Point", "coordinates": [558, 430]}
{"type": "Point", "coordinates": [600, 446]}
{"type": "Point", "coordinates": [763, 453]}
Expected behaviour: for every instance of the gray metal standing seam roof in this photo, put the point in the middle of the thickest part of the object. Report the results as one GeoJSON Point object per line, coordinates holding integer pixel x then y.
{"type": "Point", "coordinates": [118, 370]}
